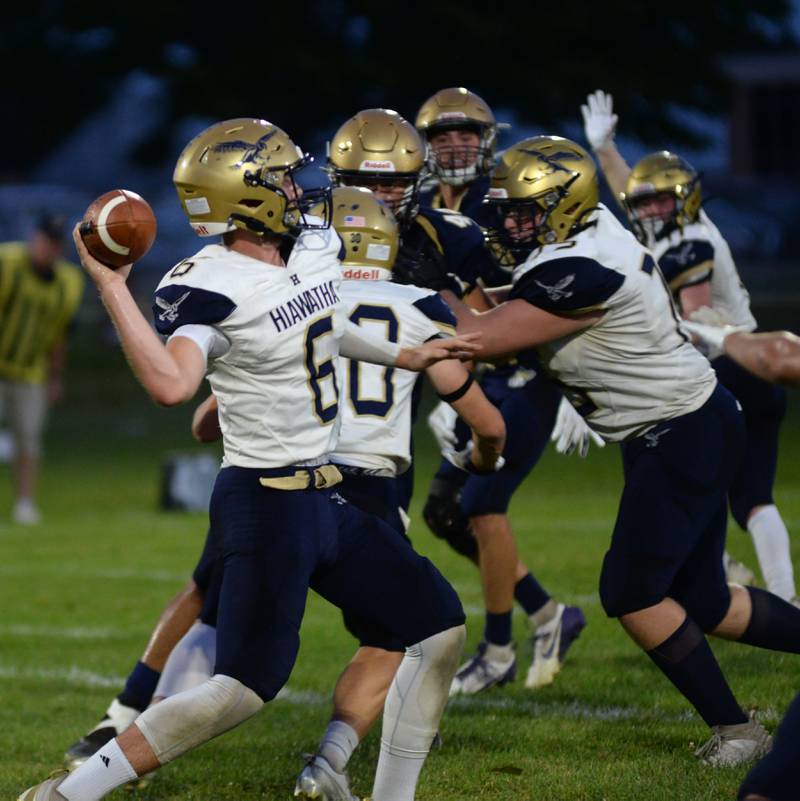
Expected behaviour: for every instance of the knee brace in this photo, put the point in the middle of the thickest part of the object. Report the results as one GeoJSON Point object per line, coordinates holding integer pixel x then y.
{"type": "Point", "coordinates": [191, 718]}
{"type": "Point", "coordinates": [446, 519]}
{"type": "Point", "coordinates": [190, 663]}
{"type": "Point", "coordinates": [419, 692]}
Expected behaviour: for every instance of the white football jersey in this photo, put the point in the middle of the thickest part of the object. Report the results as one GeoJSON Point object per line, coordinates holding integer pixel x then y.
{"type": "Point", "coordinates": [375, 401]}
{"type": "Point", "coordinates": [634, 367]}
{"type": "Point", "coordinates": [697, 253]}
{"type": "Point", "coordinates": [276, 384]}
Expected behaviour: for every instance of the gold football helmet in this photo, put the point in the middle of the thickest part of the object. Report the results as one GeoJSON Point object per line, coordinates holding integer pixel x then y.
{"type": "Point", "coordinates": [368, 230]}
{"type": "Point", "coordinates": [546, 186]}
{"type": "Point", "coordinates": [241, 174]}
{"type": "Point", "coordinates": [661, 173]}
{"type": "Point", "coordinates": [458, 108]}
{"type": "Point", "coordinates": [379, 150]}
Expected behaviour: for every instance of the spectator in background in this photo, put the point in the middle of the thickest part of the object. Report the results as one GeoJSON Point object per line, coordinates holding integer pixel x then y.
{"type": "Point", "coordinates": [39, 295]}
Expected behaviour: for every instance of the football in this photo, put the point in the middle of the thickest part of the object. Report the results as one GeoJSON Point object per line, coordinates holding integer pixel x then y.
{"type": "Point", "coordinates": [118, 228]}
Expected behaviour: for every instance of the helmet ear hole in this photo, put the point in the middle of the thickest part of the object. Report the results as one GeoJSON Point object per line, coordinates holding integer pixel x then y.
{"type": "Point", "coordinates": [250, 203]}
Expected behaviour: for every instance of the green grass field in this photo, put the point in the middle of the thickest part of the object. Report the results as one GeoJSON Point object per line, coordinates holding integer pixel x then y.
{"type": "Point", "coordinates": [80, 593]}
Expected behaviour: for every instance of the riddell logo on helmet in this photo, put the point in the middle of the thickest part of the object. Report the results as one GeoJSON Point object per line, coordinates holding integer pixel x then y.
{"type": "Point", "coordinates": [498, 192]}
{"type": "Point", "coordinates": [373, 274]}
{"type": "Point", "coordinates": [369, 274]}
{"type": "Point", "coordinates": [452, 115]}
{"type": "Point", "coordinates": [378, 166]}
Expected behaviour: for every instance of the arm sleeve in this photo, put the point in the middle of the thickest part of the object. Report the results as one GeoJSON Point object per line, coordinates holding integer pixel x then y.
{"type": "Point", "coordinates": [690, 262]}
{"type": "Point", "coordinates": [176, 305]}
{"type": "Point", "coordinates": [438, 316]}
{"type": "Point", "coordinates": [213, 343]}
{"type": "Point", "coordinates": [570, 285]}
{"type": "Point", "coordinates": [361, 346]}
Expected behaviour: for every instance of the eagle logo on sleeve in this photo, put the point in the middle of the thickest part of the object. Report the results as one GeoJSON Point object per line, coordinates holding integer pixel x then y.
{"type": "Point", "coordinates": [558, 291]}
{"type": "Point", "coordinates": [684, 254]}
{"type": "Point", "coordinates": [170, 310]}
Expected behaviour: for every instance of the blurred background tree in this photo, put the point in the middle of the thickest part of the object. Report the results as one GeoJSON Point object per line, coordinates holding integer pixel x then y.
{"type": "Point", "coordinates": [306, 66]}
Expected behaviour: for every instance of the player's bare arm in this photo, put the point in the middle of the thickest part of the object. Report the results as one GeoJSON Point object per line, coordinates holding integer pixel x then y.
{"type": "Point", "coordinates": [516, 326]}
{"type": "Point", "coordinates": [449, 378]}
{"type": "Point", "coordinates": [360, 345]}
{"type": "Point", "coordinates": [614, 167]}
{"type": "Point", "coordinates": [170, 374]}
{"type": "Point", "coordinates": [479, 299]}
{"type": "Point", "coordinates": [773, 356]}
{"type": "Point", "coordinates": [498, 294]}
{"type": "Point", "coordinates": [695, 297]}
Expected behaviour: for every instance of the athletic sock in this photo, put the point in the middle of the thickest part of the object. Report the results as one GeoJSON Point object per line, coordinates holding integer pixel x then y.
{"type": "Point", "coordinates": [100, 774]}
{"type": "Point", "coordinates": [139, 687]}
{"type": "Point", "coordinates": [530, 595]}
{"type": "Point", "coordinates": [687, 660]}
{"type": "Point", "coordinates": [774, 623]}
{"type": "Point", "coordinates": [545, 615]}
{"type": "Point", "coordinates": [337, 744]}
{"type": "Point", "coordinates": [498, 628]}
{"type": "Point", "coordinates": [771, 541]}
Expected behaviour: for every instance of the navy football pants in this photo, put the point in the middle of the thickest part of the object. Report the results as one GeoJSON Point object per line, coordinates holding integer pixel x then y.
{"type": "Point", "coordinates": [764, 406]}
{"type": "Point", "coordinates": [277, 544]}
{"type": "Point", "coordinates": [529, 413]}
{"type": "Point", "coordinates": [670, 530]}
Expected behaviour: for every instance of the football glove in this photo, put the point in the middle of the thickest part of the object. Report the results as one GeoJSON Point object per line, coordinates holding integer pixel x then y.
{"type": "Point", "coordinates": [708, 316]}
{"type": "Point", "coordinates": [463, 460]}
{"type": "Point", "coordinates": [442, 422]}
{"type": "Point", "coordinates": [709, 339]}
{"type": "Point", "coordinates": [571, 432]}
{"type": "Point", "coordinates": [599, 120]}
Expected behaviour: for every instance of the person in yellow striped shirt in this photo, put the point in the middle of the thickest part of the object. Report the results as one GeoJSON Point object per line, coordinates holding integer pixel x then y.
{"type": "Point", "coordinates": [39, 295]}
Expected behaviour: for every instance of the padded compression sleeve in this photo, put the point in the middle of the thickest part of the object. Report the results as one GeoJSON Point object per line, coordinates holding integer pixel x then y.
{"type": "Point", "coordinates": [195, 716]}
{"type": "Point", "coordinates": [361, 346]}
{"type": "Point", "coordinates": [212, 342]}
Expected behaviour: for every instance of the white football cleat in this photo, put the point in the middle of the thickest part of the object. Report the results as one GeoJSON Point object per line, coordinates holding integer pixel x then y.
{"type": "Point", "coordinates": [46, 790]}
{"type": "Point", "coordinates": [735, 745]}
{"type": "Point", "coordinates": [737, 572]}
{"type": "Point", "coordinates": [318, 781]}
{"type": "Point", "coordinates": [551, 642]}
{"type": "Point", "coordinates": [479, 673]}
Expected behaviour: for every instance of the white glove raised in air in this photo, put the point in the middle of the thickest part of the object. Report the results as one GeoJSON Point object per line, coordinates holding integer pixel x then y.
{"type": "Point", "coordinates": [463, 460]}
{"type": "Point", "coordinates": [571, 431]}
{"type": "Point", "coordinates": [599, 119]}
{"type": "Point", "coordinates": [442, 422]}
